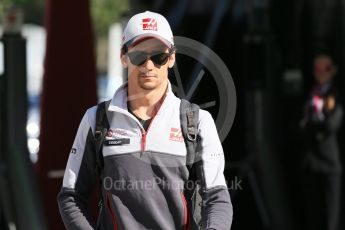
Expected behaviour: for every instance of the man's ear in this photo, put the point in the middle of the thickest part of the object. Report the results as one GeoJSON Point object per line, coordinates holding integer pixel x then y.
{"type": "Point", "coordinates": [171, 61]}
{"type": "Point", "coordinates": [124, 61]}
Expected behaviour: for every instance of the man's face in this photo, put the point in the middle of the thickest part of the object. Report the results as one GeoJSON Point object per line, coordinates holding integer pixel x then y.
{"type": "Point", "coordinates": [148, 76]}
{"type": "Point", "coordinates": [323, 69]}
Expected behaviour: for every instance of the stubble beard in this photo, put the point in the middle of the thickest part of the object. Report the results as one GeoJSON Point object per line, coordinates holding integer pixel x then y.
{"type": "Point", "coordinates": [148, 85]}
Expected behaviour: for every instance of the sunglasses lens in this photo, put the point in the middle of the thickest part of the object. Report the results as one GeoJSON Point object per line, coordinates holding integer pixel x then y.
{"type": "Point", "coordinates": [160, 59]}
{"type": "Point", "coordinates": [137, 58]}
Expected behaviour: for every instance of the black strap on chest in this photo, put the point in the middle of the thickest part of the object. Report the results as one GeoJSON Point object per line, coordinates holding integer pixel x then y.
{"type": "Point", "coordinates": [101, 129]}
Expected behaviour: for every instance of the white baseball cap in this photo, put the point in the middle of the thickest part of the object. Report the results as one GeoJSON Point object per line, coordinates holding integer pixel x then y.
{"type": "Point", "coordinates": [147, 24]}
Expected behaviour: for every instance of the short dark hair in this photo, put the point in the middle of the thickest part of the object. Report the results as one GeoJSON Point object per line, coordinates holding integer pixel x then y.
{"type": "Point", "coordinates": [124, 49]}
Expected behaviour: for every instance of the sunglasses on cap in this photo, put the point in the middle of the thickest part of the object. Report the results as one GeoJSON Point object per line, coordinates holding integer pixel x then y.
{"type": "Point", "coordinates": [158, 58]}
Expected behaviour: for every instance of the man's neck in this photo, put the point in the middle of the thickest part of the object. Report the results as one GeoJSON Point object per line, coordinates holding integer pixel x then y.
{"type": "Point", "coordinates": [144, 102]}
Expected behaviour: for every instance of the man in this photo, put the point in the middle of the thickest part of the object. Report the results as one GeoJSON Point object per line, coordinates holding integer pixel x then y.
{"type": "Point", "coordinates": [321, 165]}
{"type": "Point", "coordinates": [144, 153]}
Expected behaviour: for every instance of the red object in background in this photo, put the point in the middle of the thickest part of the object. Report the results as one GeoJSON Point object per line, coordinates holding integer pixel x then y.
{"type": "Point", "coordinates": [69, 88]}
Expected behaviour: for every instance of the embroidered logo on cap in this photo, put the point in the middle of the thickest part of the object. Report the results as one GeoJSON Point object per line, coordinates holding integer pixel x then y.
{"type": "Point", "coordinates": [176, 135]}
{"type": "Point", "coordinates": [149, 24]}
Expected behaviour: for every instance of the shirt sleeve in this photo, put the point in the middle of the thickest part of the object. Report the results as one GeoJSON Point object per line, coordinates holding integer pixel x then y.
{"type": "Point", "coordinates": [217, 208]}
{"type": "Point", "coordinates": [79, 179]}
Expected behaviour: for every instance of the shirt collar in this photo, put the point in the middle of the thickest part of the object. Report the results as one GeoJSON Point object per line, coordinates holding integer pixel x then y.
{"type": "Point", "coordinates": [119, 100]}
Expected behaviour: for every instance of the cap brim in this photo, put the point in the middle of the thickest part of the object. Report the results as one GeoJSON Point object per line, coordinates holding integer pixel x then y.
{"type": "Point", "coordinates": [141, 38]}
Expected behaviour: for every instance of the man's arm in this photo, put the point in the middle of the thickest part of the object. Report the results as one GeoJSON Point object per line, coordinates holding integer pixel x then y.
{"type": "Point", "coordinates": [329, 125]}
{"type": "Point", "coordinates": [334, 118]}
{"type": "Point", "coordinates": [79, 179]}
{"type": "Point", "coordinates": [217, 208]}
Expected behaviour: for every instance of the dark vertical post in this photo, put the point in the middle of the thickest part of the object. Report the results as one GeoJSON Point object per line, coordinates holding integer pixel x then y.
{"type": "Point", "coordinates": [20, 187]}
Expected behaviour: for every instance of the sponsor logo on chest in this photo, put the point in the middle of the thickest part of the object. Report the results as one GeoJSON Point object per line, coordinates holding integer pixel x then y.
{"type": "Point", "coordinates": [176, 134]}
{"type": "Point", "coordinates": [116, 133]}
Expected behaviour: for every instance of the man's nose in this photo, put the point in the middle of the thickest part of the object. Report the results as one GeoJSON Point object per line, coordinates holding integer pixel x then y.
{"type": "Point", "coordinates": [148, 64]}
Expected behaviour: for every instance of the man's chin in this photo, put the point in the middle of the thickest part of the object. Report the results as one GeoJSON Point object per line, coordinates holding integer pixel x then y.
{"type": "Point", "coordinates": [148, 86]}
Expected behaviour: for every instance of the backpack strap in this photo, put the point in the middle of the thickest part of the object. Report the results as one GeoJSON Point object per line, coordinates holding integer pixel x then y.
{"type": "Point", "coordinates": [189, 118]}
{"type": "Point", "coordinates": [101, 129]}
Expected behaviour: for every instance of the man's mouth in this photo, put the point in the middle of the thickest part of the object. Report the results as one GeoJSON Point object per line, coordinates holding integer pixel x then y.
{"type": "Point", "coordinates": [147, 75]}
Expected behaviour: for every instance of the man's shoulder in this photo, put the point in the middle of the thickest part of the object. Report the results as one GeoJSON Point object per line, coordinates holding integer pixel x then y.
{"type": "Point", "coordinates": [204, 115]}
{"type": "Point", "coordinates": [91, 112]}
{"type": "Point", "coordinates": [90, 116]}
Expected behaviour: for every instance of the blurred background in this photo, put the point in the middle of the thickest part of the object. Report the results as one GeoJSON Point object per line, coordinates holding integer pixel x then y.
{"type": "Point", "coordinates": [58, 58]}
